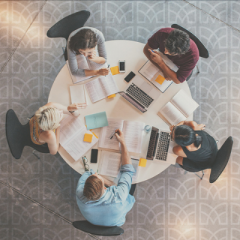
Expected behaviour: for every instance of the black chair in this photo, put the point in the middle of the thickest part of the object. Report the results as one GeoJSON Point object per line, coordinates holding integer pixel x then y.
{"type": "Point", "coordinates": [203, 52]}
{"type": "Point", "coordinates": [219, 163]}
{"type": "Point", "coordinates": [65, 26]}
{"type": "Point", "coordinates": [18, 136]}
{"type": "Point", "coordinates": [87, 227]}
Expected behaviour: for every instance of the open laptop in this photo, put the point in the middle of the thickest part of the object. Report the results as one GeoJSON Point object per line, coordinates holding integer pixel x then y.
{"type": "Point", "coordinates": [158, 146]}
{"type": "Point", "coordinates": [140, 94]}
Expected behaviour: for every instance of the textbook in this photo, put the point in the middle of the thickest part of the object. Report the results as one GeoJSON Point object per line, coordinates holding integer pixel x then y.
{"type": "Point", "coordinates": [155, 75]}
{"type": "Point", "coordinates": [133, 133]}
{"type": "Point", "coordinates": [72, 132]}
{"type": "Point", "coordinates": [101, 87]}
{"type": "Point", "coordinates": [180, 107]}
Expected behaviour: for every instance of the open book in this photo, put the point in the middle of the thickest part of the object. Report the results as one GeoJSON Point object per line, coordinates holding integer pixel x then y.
{"type": "Point", "coordinates": [155, 75]}
{"type": "Point", "coordinates": [72, 132]}
{"type": "Point", "coordinates": [178, 109]}
{"type": "Point", "coordinates": [101, 87]}
{"type": "Point", "coordinates": [133, 132]}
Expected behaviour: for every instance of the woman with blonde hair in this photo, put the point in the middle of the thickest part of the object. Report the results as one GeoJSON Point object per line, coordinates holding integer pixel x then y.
{"type": "Point", "coordinates": [45, 124]}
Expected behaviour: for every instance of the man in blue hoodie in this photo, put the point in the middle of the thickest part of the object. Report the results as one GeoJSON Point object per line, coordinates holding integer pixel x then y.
{"type": "Point", "coordinates": [107, 206]}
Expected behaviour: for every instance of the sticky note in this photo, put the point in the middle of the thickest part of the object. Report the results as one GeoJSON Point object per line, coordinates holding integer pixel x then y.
{"type": "Point", "coordinates": [160, 79]}
{"type": "Point", "coordinates": [87, 137]}
{"type": "Point", "coordinates": [142, 162]}
{"type": "Point", "coordinates": [115, 70]}
{"type": "Point", "coordinates": [112, 96]}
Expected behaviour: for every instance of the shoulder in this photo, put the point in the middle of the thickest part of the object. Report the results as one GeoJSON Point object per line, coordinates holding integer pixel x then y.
{"type": "Point", "coordinates": [164, 31]}
{"type": "Point", "coordinates": [48, 136]}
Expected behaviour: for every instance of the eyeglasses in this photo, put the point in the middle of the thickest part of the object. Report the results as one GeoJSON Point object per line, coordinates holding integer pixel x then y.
{"type": "Point", "coordinates": [85, 161]}
{"type": "Point", "coordinates": [172, 133]}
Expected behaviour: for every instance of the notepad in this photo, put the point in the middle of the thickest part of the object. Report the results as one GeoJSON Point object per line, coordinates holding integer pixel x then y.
{"type": "Point", "coordinates": [160, 79]}
{"type": "Point", "coordinates": [114, 70]}
{"type": "Point", "coordinates": [96, 120]}
{"type": "Point", "coordinates": [87, 137]}
{"type": "Point", "coordinates": [77, 93]}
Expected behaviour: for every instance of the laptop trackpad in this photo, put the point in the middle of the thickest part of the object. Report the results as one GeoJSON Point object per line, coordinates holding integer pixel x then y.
{"type": "Point", "coordinates": [146, 87]}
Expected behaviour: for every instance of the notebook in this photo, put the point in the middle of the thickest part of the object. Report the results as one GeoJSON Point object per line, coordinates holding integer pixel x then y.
{"type": "Point", "coordinates": [180, 107]}
{"type": "Point", "coordinates": [155, 75]}
{"type": "Point", "coordinates": [133, 133]}
{"type": "Point", "coordinates": [77, 93]}
{"type": "Point", "coordinates": [96, 120]}
{"type": "Point", "coordinates": [72, 132]}
{"type": "Point", "coordinates": [101, 87]}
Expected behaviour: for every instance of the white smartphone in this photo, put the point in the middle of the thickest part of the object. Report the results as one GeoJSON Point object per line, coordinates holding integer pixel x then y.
{"type": "Point", "coordinates": [121, 65]}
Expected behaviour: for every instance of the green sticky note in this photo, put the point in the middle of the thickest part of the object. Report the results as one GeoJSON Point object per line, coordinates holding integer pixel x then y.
{"type": "Point", "coordinates": [96, 120]}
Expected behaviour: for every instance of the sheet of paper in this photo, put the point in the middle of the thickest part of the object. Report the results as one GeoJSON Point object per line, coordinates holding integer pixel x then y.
{"type": "Point", "coordinates": [77, 93]}
{"type": "Point", "coordinates": [107, 132]}
{"type": "Point", "coordinates": [109, 85]}
{"type": "Point", "coordinates": [172, 114]}
{"type": "Point", "coordinates": [110, 163]}
{"type": "Point", "coordinates": [184, 103]}
{"type": "Point", "coordinates": [71, 137]}
{"type": "Point", "coordinates": [95, 90]}
{"type": "Point", "coordinates": [133, 132]}
{"type": "Point", "coordinates": [135, 162]}
{"type": "Point", "coordinates": [149, 70]}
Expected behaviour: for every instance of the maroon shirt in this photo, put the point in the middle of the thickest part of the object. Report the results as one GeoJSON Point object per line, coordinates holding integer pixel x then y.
{"type": "Point", "coordinates": [185, 62]}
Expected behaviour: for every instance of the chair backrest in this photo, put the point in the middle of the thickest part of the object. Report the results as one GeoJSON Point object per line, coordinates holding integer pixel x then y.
{"type": "Point", "coordinates": [203, 52]}
{"type": "Point", "coordinates": [65, 26]}
{"type": "Point", "coordinates": [221, 160]}
{"type": "Point", "coordinates": [87, 227]}
{"type": "Point", "coordinates": [18, 136]}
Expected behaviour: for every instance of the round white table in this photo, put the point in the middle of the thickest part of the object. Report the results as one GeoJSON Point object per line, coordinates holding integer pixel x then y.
{"type": "Point", "coordinates": [117, 107]}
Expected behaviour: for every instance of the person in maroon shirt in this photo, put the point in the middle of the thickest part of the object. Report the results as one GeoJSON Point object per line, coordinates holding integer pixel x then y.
{"type": "Point", "coordinates": [178, 47]}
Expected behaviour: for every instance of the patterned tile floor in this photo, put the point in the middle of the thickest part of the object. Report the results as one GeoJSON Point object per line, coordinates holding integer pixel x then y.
{"type": "Point", "coordinates": [170, 206]}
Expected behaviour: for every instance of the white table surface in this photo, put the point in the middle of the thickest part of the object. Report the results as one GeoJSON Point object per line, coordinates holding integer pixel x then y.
{"type": "Point", "coordinates": [132, 53]}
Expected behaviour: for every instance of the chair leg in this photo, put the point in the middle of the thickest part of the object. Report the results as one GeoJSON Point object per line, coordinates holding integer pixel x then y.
{"type": "Point", "coordinates": [33, 152]}
{"type": "Point", "coordinates": [201, 177]}
{"type": "Point", "coordinates": [197, 69]}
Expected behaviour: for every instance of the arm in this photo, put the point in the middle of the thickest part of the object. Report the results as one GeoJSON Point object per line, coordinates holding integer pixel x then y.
{"type": "Point", "coordinates": [52, 140]}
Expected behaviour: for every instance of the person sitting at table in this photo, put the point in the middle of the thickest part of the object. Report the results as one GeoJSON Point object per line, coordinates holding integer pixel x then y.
{"type": "Point", "coordinates": [45, 124]}
{"type": "Point", "coordinates": [196, 149]}
{"type": "Point", "coordinates": [178, 47]}
{"type": "Point", "coordinates": [82, 43]}
{"type": "Point", "coordinates": [102, 204]}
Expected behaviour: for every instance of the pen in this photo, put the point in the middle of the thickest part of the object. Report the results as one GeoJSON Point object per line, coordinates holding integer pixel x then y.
{"type": "Point", "coordinates": [108, 67]}
{"type": "Point", "coordinates": [112, 135]}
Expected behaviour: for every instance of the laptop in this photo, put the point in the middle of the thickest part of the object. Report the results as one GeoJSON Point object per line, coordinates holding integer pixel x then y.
{"type": "Point", "coordinates": [160, 146]}
{"type": "Point", "coordinates": [140, 94]}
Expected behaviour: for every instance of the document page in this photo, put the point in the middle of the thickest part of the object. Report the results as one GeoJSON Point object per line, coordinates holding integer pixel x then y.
{"type": "Point", "coordinates": [109, 85]}
{"type": "Point", "coordinates": [95, 90]}
{"type": "Point", "coordinates": [110, 163]}
{"type": "Point", "coordinates": [172, 114]}
{"type": "Point", "coordinates": [107, 132]}
{"type": "Point", "coordinates": [72, 132]}
{"type": "Point", "coordinates": [133, 132]}
{"type": "Point", "coordinates": [135, 163]}
{"type": "Point", "coordinates": [184, 103]}
{"type": "Point", "coordinates": [77, 93]}
{"type": "Point", "coordinates": [149, 70]}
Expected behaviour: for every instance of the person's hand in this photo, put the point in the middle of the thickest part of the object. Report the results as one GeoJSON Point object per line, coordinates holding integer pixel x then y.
{"type": "Point", "coordinates": [155, 56]}
{"type": "Point", "coordinates": [92, 55]}
{"type": "Point", "coordinates": [103, 71]}
{"type": "Point", "coordinates": [73, 108]}
{"type": "Point", "coordinates": [120, 136]}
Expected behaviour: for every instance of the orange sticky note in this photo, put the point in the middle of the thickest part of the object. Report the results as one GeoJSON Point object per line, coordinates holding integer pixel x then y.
{"type": "Point", "coordinates": [160, 79]}
{"type": "Point", "coordinates": [112, 96]}
{"type": "Point", "coordinates": [142, 162]}
{"type": "Point", "coordinates": [115, 70]}
{"type": "Point", "coordinates": [87, 137]}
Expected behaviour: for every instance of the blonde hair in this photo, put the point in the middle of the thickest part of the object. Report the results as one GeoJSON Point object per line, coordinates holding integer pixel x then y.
{"type": "Point", "coordinates": [48, 118]}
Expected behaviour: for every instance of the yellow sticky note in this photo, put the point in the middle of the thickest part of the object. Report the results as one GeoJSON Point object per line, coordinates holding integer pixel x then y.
{"type": "Point", "coordinates": [112, 96]}
{"type": "Point", "coordinates": [115, 70]}
{"type": "Point", "coordinates": [87, 137]}
{"type": "Point", "coordinates": [142, 162]}
{"type": "Point", "coordinates": [160, 79]}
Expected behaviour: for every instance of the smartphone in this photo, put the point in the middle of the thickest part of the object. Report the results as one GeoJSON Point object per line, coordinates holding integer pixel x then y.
{"type": "Point", "coordinates": [121, 65]}
{"type": "Point", "coordinates": [94, 155]}
{"type": "Point", "coordinates": [130, 76]}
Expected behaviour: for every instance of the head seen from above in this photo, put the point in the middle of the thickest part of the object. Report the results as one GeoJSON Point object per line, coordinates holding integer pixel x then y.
{"type": "Point", "coordinates": [177, 43]}
{"type": "Point", "coordinates": [83, 42]}
{"type": "Point", "coordinates": [48, 118]}
{"type": "Point", "coordinates": [184, 136]}
{"type": "Point", "coordinates": [94, 187]}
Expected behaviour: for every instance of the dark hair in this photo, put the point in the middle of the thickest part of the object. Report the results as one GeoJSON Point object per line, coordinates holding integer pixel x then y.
{"type": "Point", "coordinates": [185, 136]}
{"type": "Point", "coordinates": [93, 188]}
{"type": "Point", "coordinates": [178, 42]}
{"type": "Point", "coordinates": [83, 39]}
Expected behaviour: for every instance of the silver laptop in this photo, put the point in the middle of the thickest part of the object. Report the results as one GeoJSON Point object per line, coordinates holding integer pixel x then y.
{"type": "Point", "coordinates": [140, 94]}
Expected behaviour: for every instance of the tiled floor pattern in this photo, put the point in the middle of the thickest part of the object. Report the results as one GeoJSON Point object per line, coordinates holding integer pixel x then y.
{"type": "Point", "coordinates": [171, 206]}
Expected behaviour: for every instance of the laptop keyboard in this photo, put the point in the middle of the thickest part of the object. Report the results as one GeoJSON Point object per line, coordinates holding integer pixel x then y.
{"type": "Point", "coordinates": [152, 143]}
{"type": "Point", "coordinates": [139, 95]}
{"type": "Point", "coordinates": [163, 145]}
